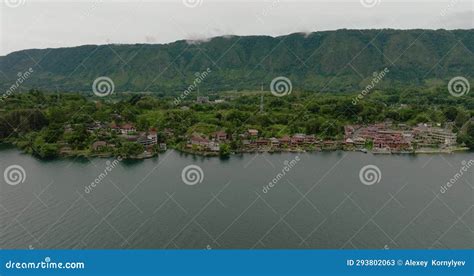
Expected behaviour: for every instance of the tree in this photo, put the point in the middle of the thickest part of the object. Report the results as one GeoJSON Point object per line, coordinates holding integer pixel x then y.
{"type": "Point", "coordinates": [129, 149]}
{"type": "Point", "coordinates": [468, 137]}
{"type": "Point", "coordinates": [47, 150]}
{"type": "Point", "coordinates": [53, 133]}
{"type": "Point", "coordinates": [78, 137]}
{"type": "Point", "coordinates": [451, 113]}
{"type": "Point", "coordinates": [224, 150]}
{"type": "Point", "coordinates": [143, 124]}
{"type": "Point", "coordinates": [461, 119]}
{"type": "Point", "coordinates": [313, 126]}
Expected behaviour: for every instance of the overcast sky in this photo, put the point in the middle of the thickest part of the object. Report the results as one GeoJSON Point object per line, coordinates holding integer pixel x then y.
{"type": "Point", "coordinates": [29, 24]}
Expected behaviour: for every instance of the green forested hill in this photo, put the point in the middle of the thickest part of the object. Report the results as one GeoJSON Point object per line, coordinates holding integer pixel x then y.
{"type": "Point", "coordinates": [332, 60]}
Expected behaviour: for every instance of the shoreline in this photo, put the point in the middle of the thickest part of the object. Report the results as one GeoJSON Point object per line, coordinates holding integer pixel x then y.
{"type": "Point", "coordinates": [148, 155]}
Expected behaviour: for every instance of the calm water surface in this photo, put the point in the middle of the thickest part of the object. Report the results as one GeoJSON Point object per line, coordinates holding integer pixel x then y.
{"type": "Point", "coordinates": [319, 203]}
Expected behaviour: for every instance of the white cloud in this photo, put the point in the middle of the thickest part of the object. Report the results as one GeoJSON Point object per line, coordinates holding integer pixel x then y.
{"type": "Point", "coordinates": [42, 23]}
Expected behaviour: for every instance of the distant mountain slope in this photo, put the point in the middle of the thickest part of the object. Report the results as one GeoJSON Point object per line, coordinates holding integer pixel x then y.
{"type": "Point", "coordinates": [330, 60]}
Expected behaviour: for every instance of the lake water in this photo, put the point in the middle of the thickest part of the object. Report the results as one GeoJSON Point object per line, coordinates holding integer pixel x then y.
{"type": "Point", "coordinates": [319, 203]}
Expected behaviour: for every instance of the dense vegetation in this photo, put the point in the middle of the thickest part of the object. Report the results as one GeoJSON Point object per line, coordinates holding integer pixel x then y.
{"type": "Point", "coordinates": [36, 121]}
{"type": "Point", "coordinates": [314, 62]}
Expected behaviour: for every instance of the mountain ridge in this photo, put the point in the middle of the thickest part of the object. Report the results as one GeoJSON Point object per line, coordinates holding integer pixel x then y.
{"type": "Point", "coordinates": [207, 39]}
{"type": "Point", "coordinates": [341, 60]}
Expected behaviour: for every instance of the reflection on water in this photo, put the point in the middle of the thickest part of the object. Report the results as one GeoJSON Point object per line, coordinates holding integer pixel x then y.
{"type": "Point", "coordinates": [318, 203]}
